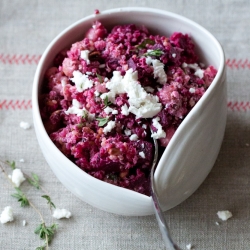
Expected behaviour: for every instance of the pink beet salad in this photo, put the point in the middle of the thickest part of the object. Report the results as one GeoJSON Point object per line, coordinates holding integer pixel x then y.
{"type": "Point", "coordinates": [105, 94]}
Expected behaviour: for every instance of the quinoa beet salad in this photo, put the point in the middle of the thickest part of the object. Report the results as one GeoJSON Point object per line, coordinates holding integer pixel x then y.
{"type": "Point", "coordinates": [106, 93]}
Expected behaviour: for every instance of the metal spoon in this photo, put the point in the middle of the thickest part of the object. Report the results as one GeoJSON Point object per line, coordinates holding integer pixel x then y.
{"type": "Point", "coordinates": [169, 243]}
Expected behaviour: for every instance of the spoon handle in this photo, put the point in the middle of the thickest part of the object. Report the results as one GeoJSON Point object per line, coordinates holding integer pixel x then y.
{"type": "Point", "coordinates": [165, 232]}
{"type": "Point", "coordinates": [169, 243]}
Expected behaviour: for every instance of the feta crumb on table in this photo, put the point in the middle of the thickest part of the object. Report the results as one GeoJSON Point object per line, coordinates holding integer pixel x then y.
{"type": "Point", "coordinates": [24, 125]}
{"type": "Point", "coordinates": [17, 177]}
{"type": "Point", "coordinates": [6, 215]}
{"type": "Point", "coordinates": [61, 213]}
{"type": "Point", "coordinates": [189, 246]}
{"type": "Point", "coordinates": [224, 215]}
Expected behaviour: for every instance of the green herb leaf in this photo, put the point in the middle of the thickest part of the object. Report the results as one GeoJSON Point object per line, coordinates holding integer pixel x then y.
{"type": "Point", "coordinates": [51, 204]}
{"type": "Point", "coordinates": [106, 101]}
{"type": "Point", "coordinates": [45, 233]}
{"type": "Point", "coordinates": [156, 52]}
{"type": "Point", "coordinates": [20, 196]}
{"type": "Point", "coordinates": [102, 121]}
{"type": "Point", "coordinates": [34, 181]}
{"type": "Point", "coordinates": [11, 164]}
{"type": "Point", "coordinates": [144, 43]}
{"type": "Point", "coordinates": [100, 78]}
{"type": "Point", "coordinates": [80, 125]}
{"type": "Point", "coordinates": [41, 248]}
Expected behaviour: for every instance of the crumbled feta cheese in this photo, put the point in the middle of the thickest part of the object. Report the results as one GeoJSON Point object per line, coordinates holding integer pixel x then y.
{"type": "Point", "coordinates": [127, 132]}
{"type": "Point", "coordinates": [173, 55]}
{"type": "Point", "coordinates": [224, 215]}
{"type": "Point", "coordinates": [76, 110]}
{"type": "Point", "coordinates": [160, 133]}
{"type": "Point", "coordinates": [184, 65]}
{"type": "Point", "coordinates": [96, 93]}
{"type": "Point", "coordinates": [159, 71]}
{"type": "Point", "coordinates": [217, 223]}
{"type": "Point", "coordinates": [133, 137]}
{"type": "Point", "coordinates": [193, 66]}
{"type": "Point", "coordinates": [149, 89]}
{"type": "Point", "coordinates": [21, 160]}
{"type": "Point", "coordinates": [6, 215]}
{"type": "Point", "coordinates": [189, 246]}
{"type": "Point", "coordinates": [24, 125]}
{"type": "Point", "coordinates": [141, 104]}
{"type": "Point", "coordinates": [192, 90]}
{"type": "Point", "coordinates": [142, 154]}
{"type": "Point", "coordinates": [24, 223]}
{"type": "Point", "coordinates": [148, 60]}
{"type": "Point", "coordinates": [85, 55]}
{"type": "Point", "coordinates": [109, 127]}
{"type": "Point", "coordinates": [144, 126]}
{"type": "Point", "coordinates": [81, 81]}
{"type": "Point", "coordinates": [199, 73]}
{"type": "Point", "coordinates": [61, 213]}
{"type": "Point", "coordinates": [108, 110]}
{"type": "Point", "coordinates": [124, 109]}
{"type": "Point", "coordinates": [17, 177]}
{"type": "Point", "coordinates": [115, 112]}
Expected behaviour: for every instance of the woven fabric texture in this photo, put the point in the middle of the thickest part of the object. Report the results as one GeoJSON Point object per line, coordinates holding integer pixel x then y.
{"type": "Point", "coordinates": [26, 28]}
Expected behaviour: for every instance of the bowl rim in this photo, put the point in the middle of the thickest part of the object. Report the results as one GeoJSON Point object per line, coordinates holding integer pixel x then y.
{"type": "Point", "coordinates": [35, 88]}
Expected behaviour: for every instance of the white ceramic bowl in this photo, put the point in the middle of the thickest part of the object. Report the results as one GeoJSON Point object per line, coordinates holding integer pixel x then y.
{"type": "Point", "coordinates": [193, 149]}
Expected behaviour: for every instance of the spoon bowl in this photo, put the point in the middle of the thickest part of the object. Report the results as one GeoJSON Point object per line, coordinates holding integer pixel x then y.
{"type": "Point", "coordinates": [191, 152]}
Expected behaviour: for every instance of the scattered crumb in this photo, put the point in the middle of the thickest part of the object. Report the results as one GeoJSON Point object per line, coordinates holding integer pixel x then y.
{"type": "Point", "coordinates": [17, 177]}
{"type": "Point", "coordinates": [217, 223]}
{"type": "Point", "coordinates": [189, 246]}
{"type": "Point", "coordinates": [24, 223]}
{"type": "Point", "coordinates": [22, 160]}
{"type": "Point", "coordinates": [25, 125]}
{"type": "Point", "coordinates": [61, 213]}
{"type": "Point", "coordinates": [6, 215]}
{"type": "Point", "coordinates": [224, 215]}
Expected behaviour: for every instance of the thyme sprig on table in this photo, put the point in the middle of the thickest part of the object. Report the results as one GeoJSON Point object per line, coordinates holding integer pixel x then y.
{"type": "Point", "coordinates": [45, 232]}
{"type": "Point", "coordinates": [51, 204]}
{"type": "Point", "coordinates": [34, 181]}
{"type": "Point", "coordinates": [21, 197]}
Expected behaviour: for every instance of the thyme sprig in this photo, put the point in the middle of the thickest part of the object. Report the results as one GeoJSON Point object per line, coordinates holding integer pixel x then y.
{"type": "Point", "coordinates": [34, 181]}
{"type": "Point", "coordinates": [11, 164]}
{"type": "Point", "coordinates": [106, 102]}
{"type": "Point", "coordinates": [100, 78]}
{"type": "Point", "coordinates": [51, 204]}
{"type": "Point", "coordinates": [156, 52]}
{"type": "Point", "coordinates": [21, 197]}
{"type": "Point", "coordinates": [102, 121]}
{"type": "Point", "coordinates": [144, 43]}
{"type": "Point", "coordinates": [45, 233]}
